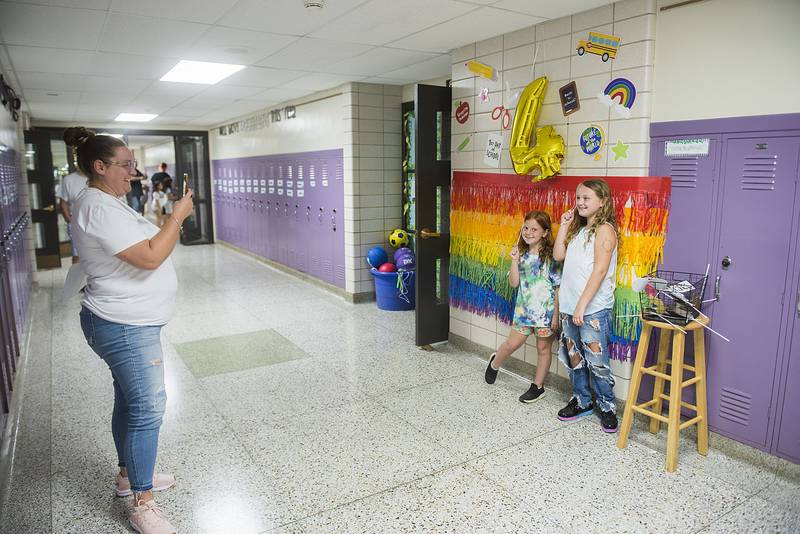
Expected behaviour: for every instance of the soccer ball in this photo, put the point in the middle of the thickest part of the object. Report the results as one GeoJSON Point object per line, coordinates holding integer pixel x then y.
{"type": "Point", "coordinates": [398, 238]}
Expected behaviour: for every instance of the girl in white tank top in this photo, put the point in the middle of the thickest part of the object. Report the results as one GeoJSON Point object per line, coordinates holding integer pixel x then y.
{"type": "Point", "coordinates": [587, 243]}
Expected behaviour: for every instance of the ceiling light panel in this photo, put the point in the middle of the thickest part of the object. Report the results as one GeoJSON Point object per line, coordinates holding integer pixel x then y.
{"type": "Point", "coordinates": [135, 117]}
{"type": "Point", "coordinates": [200, 72]}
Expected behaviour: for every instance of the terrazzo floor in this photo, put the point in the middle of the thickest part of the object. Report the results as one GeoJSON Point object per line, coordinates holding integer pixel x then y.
{"type": "Point", "coordinates": [329, 419]}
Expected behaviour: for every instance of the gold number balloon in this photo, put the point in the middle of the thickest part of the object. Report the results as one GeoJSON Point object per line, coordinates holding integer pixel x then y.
{"type": "Point", "coordinates": [546, 154]}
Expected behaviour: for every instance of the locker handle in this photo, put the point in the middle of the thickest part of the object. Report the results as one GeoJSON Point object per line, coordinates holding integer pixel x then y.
{"type": "Point", "coordinates": [798, 303]}
{"type": "Point", "coordinates": [716, 287]}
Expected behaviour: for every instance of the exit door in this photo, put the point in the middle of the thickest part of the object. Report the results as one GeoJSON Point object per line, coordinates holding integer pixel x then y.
{"type": "Point", "coordinates": [432, 190]}
{"type": "Point", "coordinates": [191, 163]}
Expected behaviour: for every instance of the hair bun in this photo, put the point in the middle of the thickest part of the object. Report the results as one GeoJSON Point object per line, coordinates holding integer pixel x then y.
{"type": "Point", "coordinates": [77, 135]}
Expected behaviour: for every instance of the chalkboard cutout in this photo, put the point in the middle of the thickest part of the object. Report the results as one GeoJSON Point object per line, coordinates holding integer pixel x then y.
{"type": "Point", "coordinates": [570, 103]}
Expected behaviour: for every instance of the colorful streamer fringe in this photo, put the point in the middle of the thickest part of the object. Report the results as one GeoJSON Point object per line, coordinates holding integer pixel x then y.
{"type": "Point", "coordinates": [486, 212]}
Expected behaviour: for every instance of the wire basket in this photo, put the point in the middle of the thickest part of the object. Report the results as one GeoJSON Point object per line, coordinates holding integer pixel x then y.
{"type": "Point", "coordinates": [673, 296]}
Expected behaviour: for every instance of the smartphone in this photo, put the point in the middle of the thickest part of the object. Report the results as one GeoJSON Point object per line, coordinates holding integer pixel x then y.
{"type": "Point", "coordinates": [185, 183]}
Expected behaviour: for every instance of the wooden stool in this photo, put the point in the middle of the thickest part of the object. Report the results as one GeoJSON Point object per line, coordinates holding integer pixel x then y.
{"type": "Point", "coordinates": [677, 383]}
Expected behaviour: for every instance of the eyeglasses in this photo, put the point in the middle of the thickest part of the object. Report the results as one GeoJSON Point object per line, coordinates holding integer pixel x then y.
{"type": "Point", "coordinates": [130, 165]}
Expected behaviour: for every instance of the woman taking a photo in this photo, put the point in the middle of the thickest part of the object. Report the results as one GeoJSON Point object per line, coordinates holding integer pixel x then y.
{"type": "Point", "coordinates": [129, 295]}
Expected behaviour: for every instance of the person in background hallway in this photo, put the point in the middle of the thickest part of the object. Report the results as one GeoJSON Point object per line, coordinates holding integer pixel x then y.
{"type": "Point", "coordinates": [129, 295]}
{"type": "Point", "coordinates": [71, 185]}
{"type": "Point", "coordinates": [160, 176]}
{"type": "Point", "coordinates": [136, 195]}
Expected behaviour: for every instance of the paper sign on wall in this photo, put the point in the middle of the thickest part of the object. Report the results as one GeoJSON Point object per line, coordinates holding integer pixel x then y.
{"type": "Point", "coordinates": [687, 147]}
{"type": "Point", "coordinates": [494, 146]}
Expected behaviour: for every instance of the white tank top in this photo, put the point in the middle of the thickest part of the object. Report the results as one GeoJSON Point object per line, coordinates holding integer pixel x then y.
{"type": "Point", "coordinates": [578, 266]}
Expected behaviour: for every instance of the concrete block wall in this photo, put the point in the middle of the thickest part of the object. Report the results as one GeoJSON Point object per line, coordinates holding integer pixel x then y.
{"type": "Point", "coordinates": [373, 198]}
{"type": "Point", "coordinates": [512, 55]}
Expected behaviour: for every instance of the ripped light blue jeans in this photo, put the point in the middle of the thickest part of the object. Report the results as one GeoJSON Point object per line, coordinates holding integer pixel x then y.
{"type": "Point", "coordinates": [576, 340]}
{"type": "Point", "coordinates": [134, 356]}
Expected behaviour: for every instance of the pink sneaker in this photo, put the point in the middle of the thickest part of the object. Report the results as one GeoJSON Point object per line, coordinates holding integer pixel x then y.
{"type": "Point", "coordinates": [147, 518]}
{"type": "Point", "coordinates": [161, 481]}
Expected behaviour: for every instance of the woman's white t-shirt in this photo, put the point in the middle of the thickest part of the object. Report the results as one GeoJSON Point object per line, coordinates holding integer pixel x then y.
{"type": "Point", "coordinates": [116, 291]}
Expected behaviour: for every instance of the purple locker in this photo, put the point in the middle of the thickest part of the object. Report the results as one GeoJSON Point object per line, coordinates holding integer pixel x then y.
{"type": "Point", "coordinates": [338, 225]}
{"type": "Point", "coordinates": [788, 438]}
{"type": "Point", "coordinates": [759, 179]}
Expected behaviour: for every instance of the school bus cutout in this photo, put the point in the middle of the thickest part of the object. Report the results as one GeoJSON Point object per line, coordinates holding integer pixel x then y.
{"type": "Point", "coordinates": [601, 44]}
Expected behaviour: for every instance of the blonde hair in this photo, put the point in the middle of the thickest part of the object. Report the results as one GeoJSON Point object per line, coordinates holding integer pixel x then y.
{"type": "Point", "coordinates": [606, 213]}
{"type": "Point", "coordinates": [546, 244]}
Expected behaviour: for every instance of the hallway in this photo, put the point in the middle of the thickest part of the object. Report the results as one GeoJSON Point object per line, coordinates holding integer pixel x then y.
{"type": "Point", "coordinates": [322, 416]}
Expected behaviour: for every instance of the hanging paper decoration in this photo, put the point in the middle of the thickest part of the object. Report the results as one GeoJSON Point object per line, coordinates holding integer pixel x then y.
{"type": "Point", "coordinates": [485, 214]}
{"type": "Point", "coordinates": [500, 112]}
{"type": "Point", "coordinates": [494, 146]}
{"type": "Point", "coordinates": [483, 95]}
{"type": "Point", "coordinates": [592, 140]}
{"type": "Point", "coordinates": [546, 154]}
{"type": "Point", "coordinates": [599, 44]}
{"type": "Point", "coordinates": [480, 69]}
{"type": "Point", "coordinates": [463, 144]}
{"type": "Point", "coordinates": [619, 95]}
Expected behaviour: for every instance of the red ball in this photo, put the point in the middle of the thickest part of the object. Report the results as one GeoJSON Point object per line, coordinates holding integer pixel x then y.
{"type": "Point", "coordinates": [387, 267]}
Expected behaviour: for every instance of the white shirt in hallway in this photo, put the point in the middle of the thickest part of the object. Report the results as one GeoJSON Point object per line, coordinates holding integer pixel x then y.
{"type": "Point", "coordinates": [104, 226]}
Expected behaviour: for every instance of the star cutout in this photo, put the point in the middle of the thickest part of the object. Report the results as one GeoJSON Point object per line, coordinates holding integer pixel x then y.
{"type": "Point", "coordinates": [620, 150]}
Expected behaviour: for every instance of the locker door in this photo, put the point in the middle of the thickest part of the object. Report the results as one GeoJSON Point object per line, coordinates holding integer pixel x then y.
{"type": "Point", "coordinates": [751, 264]}
{"type": "Point", "coordinates": [301, 219]}
{"type": "Point", "coordinates": [337, 239]}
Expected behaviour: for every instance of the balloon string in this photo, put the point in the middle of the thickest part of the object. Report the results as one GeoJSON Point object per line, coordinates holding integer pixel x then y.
{"type": "Point", "coordinates": [535, 54]}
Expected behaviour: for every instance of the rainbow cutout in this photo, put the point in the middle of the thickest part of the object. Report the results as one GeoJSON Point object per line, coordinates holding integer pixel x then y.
{"type": "Point", "coordinates": [621, 90]}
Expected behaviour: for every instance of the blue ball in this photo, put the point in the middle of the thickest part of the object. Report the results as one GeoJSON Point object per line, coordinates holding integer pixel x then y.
{"type": "Point", "coordinates": [405, 262]}
{"type": "Point", "coordinates": [401, 251]}
{"type": "Point", "coordinates": [376, 257]}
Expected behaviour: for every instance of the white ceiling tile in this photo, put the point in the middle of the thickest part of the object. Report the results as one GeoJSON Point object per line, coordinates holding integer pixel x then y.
{"type": "Point", "coordinates": [102, 5]}
{"type": "Point", "coordinates": [284, 16]}
{"type": "Point", "coordinates": [148, 36]}
{"type": "Point", "coordinates": [188, 110]}
{"type": "Point", "coordinates": [127, 86]}
{"type": "Point", "coordinates": [209, 102]}
{"type": "Point", "coordinates": [425, 70]}
{"type": "Point", "coordinates": [231, 92]}
{"type": "Point", "coordinates": [131, 66]}
{"type": "Point", "coordinates": [58, 117]}
{"type": "Point", "coordinates": [243, 107]}
{"type": "Point", "coordinates": [94, 116]}
{"type": "Point", "coordinates": [381, 21]}
{"type": "Point", "coordinates": [188, 10]}
{"type": "Point", "coordinates": [378, 61]}
{"type": "Point", "coordinates": [312, 54]}
{"type": "Point", "coordinates": [261, 77]}
{"type": "Point", "coordinates": [172, 119]}
{"type": "Point", "coordinates": [50, 60]}
{"type": "Point", "coordinates": [184, 90]}
{"type": "Point", "coordinates": [108, 99]}
{"type": "Point", "coordinates": [549, 9]}
{"type": "Point", "coordinates": [279, 94]}
{"type": "Point", "coordinates": [388, 81]}
{"type": "Point", "coordinates": [25, 24]}
{"type": "Point", "coordinates": [152, 104]}
{"type": "Point", "coordinates": [240, 47]}
{"type": "Point", "coordinates": [52, 97]}
{"type": "Point", "coordinates": [474, 26]}
{"type": "Point", "coordinates": [318, 82]}
{"type": "Point", "coordinates": [44, 80]}
{"type": "Point", "coordinates": [42, 108]}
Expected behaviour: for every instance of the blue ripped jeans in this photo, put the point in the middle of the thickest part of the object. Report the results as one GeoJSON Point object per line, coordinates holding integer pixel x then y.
{"type": "Point", "coordinates": [577, 340]}
{"type": "Point", "coordinates": [133, 354]}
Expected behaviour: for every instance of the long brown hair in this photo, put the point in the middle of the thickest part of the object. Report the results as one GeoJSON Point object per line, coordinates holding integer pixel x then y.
{"type": "Point", "coordinates": [90, 147]}
{"type": "Point", "coordinates": [606, 214]}
{"type": "Point", "coordinates": [546, 244]}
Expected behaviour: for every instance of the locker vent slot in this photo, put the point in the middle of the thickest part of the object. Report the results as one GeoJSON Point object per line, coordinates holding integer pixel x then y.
{"type": "Point", "coordinates": [340, 273]}
{"type": "Point", "coordinates": [758, 173]}
{"type": "Point", "coordinates": [312, 172]}
{"type": "Point", "coordinates": [339, 171]}
{"type": "Point", "coordinates": [324, 171]}
{"type": "Point", "coordinates": [684, 172]}
{"type": "Point", "coordinates": [300, 171]}
{"type": "Point", "coordinates": [735, 406]}
{"type": "Point", "coordinates": [327, 268]}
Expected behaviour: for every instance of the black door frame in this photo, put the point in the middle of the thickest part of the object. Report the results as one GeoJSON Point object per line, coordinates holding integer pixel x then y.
{"type": "Point", "coordinates": [57, 134]}
{"type": "Point", "coordinates": [49, 254]}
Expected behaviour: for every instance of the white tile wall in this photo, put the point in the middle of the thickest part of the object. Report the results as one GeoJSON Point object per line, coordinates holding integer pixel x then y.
{"type": "Point", "coordinates": [512, 56]}
{"type": "Point", "coordinates": [372, 177]}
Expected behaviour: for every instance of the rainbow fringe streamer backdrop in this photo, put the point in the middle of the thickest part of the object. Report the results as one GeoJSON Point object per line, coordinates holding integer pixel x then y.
{"type": "Point", "coordinates": [486, 212]}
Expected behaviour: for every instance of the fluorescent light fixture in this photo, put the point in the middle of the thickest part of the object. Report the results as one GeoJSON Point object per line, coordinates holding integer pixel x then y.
{"type": "Point", "coordinates": [135, 117]}
{"type": "Point", "coordinates": [200, 72]}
